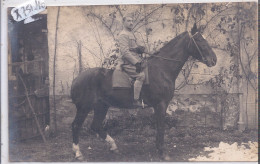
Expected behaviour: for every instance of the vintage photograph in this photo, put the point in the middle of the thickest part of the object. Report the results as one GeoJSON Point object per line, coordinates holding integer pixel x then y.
{"type": "Point", "coordinates": [133, 83]}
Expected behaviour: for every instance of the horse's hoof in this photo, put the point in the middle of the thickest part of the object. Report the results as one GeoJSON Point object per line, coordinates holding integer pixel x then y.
{"type": "Point", "coordinates": [47, 131]}
{"type": "Point", "coordinates": [80, 158]}
{"type": "Point", "coordinates": [167, 158]}
{"type": "Point", "coordinates": [115, 151]}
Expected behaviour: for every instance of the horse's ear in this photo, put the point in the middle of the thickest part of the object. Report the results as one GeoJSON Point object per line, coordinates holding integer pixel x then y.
{"type": "Point", "coordinates": [194, 29]}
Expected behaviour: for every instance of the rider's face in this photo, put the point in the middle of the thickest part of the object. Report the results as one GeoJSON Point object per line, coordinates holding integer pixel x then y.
{"type": "Point", "coordinates": [128, 23]}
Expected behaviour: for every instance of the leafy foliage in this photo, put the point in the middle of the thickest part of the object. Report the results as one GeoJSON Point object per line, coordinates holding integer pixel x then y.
{"type": "Point", "coordinates": [228, 27]}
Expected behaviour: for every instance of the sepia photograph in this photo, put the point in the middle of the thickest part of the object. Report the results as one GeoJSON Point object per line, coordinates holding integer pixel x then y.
{"type": "Point", "coordinates": [158, 82]}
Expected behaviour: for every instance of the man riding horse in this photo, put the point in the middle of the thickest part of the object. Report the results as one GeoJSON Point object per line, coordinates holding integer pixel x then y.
{"type": "Point", "coordinates": [93, 89]}
{"type": "Point", "coordinates": [131, 57]}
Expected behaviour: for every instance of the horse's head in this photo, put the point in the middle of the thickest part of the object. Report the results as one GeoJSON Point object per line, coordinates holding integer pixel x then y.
{"type": "Point", "coordinates": [200, 48]}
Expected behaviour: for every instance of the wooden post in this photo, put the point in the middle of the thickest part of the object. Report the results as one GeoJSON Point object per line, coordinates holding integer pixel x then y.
{"type": "Point", "coordinates": [80, 57]}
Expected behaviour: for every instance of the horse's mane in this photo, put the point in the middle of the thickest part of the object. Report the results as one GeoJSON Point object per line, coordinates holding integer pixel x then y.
{"type": "Point", "coordinates": [172, 43]}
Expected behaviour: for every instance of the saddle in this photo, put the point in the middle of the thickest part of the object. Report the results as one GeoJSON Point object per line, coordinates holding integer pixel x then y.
{"type": "Point", "coordinates": [120, 79]}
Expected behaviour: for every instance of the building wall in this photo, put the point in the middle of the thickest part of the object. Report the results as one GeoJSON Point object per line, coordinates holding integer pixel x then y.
{"type": "Point", "coordinates": [83, 24]}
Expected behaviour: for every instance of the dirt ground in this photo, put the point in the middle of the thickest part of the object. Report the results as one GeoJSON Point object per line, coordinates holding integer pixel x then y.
{"type": "Point", "coordinates": [134, 133]}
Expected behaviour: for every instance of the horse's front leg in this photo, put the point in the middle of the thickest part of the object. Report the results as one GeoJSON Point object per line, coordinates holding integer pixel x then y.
{"type": "Point", "coordinates": [160, 111]}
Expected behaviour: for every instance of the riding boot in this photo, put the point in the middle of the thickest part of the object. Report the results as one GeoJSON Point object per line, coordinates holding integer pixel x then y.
{"type": "Point", "coordinates": [137, 89]}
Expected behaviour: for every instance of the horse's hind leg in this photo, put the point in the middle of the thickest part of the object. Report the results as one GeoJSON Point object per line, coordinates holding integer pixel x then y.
{"type": "Point", "coordinates": [76, 126]}
{"type": "Point", "coordinates": [100, 111]}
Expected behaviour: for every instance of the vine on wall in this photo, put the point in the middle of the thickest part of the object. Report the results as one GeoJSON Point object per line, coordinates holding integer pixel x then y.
{"type": "Point", "coordinates": [230, 28]}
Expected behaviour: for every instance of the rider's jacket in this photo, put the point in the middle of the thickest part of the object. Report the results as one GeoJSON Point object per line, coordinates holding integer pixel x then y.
{"type": "Point", "coordinates": [126, 41]}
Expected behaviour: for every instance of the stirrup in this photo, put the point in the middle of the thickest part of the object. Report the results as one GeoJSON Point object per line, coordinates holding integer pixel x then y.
{"type": "Point", "coordinates": [137, 103]}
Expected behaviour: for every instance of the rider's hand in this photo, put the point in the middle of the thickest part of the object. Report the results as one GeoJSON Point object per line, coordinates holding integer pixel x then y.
{"type": "Point", "coordinates": [140, 49]}
{"type": "Point", "coordinates": [138, 67]}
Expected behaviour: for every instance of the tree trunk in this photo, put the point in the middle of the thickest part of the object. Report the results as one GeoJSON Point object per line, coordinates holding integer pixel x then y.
{"type": "Point", "coordinates": [54, 65]}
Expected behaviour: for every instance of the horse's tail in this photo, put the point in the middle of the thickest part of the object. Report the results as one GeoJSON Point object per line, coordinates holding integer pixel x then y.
{"type": "Point", "coordinates": [72, 93]}
{"type": "Point", "coordinates": [78, 86]}
{"type": "Point", "coordinates": [71, 90]}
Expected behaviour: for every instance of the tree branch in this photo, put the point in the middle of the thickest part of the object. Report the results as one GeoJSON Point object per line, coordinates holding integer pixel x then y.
{"type": "Point", "coordinates": [218, 14]}
{"type": "Point", "coordinates": [119, 10]}
{"type": "Point", "coordinates": [103, 22]}
{"type": "Point", "coordinates": [148, 15]}
{"type": "Point", "coordinates": [188, 17]}
{"type": "Point", "coordinates": [149, 23]}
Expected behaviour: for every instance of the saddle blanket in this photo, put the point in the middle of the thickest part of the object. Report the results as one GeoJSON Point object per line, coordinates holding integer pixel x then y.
{"type": "Point", "coordinates": [120, 79]}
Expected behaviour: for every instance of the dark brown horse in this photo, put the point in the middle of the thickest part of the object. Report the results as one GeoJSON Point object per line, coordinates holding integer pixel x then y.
{"type": "Point", "coordinates": [92, 89]}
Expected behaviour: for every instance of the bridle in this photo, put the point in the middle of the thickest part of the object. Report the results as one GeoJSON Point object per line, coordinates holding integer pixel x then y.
{"type": "Point", "coordinates": [192, 38]}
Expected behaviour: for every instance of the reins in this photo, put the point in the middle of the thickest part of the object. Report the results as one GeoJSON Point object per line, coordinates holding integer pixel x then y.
{"type": "Point", "coordinates": [161, 57]}
{"type": "Point", "coordinates": [165, 58]}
